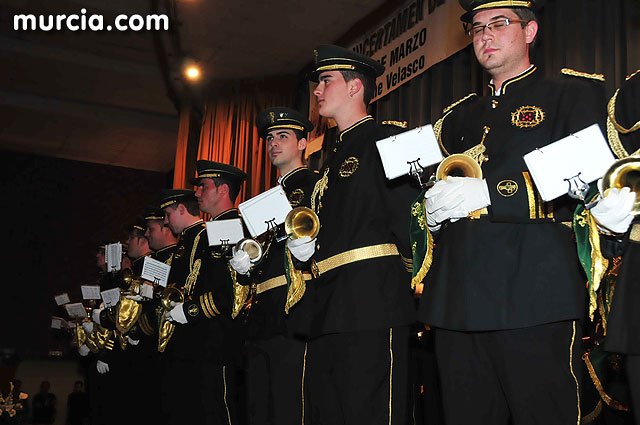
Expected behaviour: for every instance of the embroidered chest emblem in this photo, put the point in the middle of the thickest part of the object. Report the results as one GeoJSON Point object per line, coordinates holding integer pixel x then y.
{"type": "Point", "coordinates": [507, 188]}
{"type": "Point", "coordinates": [527, 116]}
{"type": "Point", "coordinates": [349, 166]}
{"type": "Point", "coordinates": [193, 310]}
{"type": "Point", "coordinates": [179, 252]}
{"type": "Point", "coordinates": [416, 211]}
{"type": "Point", "coordinates": [296, 197]}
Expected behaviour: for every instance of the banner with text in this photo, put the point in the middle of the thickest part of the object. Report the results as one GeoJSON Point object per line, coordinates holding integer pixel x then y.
{"type": "Point", "coordinates": [415, 37]}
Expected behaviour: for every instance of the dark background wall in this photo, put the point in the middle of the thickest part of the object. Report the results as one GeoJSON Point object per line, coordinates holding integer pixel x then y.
{"type": "Point", "coordinates": [54, 213]}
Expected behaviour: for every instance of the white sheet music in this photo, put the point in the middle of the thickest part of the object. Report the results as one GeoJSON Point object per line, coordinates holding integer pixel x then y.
{"type": "Point", "coordinates": [397, 152]}
{"type": "Point", "coordinates": [585, 153]}
{"type": "Point", "coordinates": [90, 292]}
{"type": "Point", "coordinates": [76, 310]}
{"type": "Point", "coordinates": [111, 297]}
{"type": "Point", "coordinates": [62, 299]}
{"type": "Point", "coordinates": [228, 230]}
{"type": "Point", "coordinates": [155, 271]}
{"type": "Point", "coordinates": [270, 206]}
{"type": "Point", "coordinates": [113, 256]}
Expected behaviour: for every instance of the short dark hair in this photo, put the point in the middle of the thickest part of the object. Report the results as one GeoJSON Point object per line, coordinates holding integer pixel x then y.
{"type": "Point", "coordinates": [528, 15]}
{"type": "Point", "coordinates": [299, 134]}
{"type": "Point", "coordinates": [192, 207]}
{"type": "Point", "coordinates": [136, 233]}
{"type": "Point", "coordinates": [368, 83]}
{"type": "Point", "coordinates": [234, 188]}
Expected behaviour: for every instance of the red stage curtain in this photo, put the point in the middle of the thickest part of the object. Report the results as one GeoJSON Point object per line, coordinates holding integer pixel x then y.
{"type": "Point", "coordinates": [229, 135]}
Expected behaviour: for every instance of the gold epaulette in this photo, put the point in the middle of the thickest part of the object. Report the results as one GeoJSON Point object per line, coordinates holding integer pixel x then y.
{"type": "Point", "coordinates": [574, 73]}
{"type": "Point", "coordinates": [401, 124]}
{"type": "Point", "coordinates": [454, 104]}
{"type": "Point", "coordinates": [630, 76]}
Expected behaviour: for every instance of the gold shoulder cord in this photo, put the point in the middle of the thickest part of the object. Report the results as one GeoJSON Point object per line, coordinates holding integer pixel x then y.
{"type": "Point", "coordinates": [318, 190]}
{"type": "Point", "coordinates": [574, 73]}
{"type": "Point", "coordinates": [194, 266]}
{"type": "Point", "coordinates": [437, 127]}
{"type": "Point", "coordinates": [614, 129]}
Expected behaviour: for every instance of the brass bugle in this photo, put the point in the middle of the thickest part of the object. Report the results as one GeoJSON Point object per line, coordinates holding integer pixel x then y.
{"type": "Point", "coordinates": [458, 165]}
{"type": "Point", "coordinates": [252, 247]}
{"type": "Point", "coordinates": [624, 172]}
{"type": "Point", "coordinates": [301, 222]}
{"type": "Point", "coordinates": [171, 294]}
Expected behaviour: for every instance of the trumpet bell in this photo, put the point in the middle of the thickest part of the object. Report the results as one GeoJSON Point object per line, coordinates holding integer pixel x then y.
{"type": "Point", "coordinates": [169, 294]}
{"type": "Point", "coordinates": [301, 222]}
{"type": "Point", "coordinates": [251, 247]}
{"type": "Point", "coordinates": [458, 165]}
{"type": "Point", "coordinates": [624, 173]}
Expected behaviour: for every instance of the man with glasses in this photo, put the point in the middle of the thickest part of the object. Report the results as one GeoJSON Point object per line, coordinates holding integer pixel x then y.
{"type": "Point", "coordinates": [505, 292]}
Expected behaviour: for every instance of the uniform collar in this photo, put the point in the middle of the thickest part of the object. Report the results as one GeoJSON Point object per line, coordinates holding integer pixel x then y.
{"type": "Point", "coordinates": [165, 248]}
{"type": "Point", "coordinates": [350, 130]}
{"type": "Point", "coordinates": [230, 213]}
{"type": "Point", "coordinates": [290, 176]}
{"type": "Point", "coordinates": [194, 225]}
{"type": "Point", "coordinates": [513, 82]}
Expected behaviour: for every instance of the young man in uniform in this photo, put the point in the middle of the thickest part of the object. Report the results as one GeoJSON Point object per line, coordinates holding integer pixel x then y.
{"type": "Point", "coordinates": [357, 358]}
{"type": "Point", "coordinates": [505, 290]}
{"type": "Point", "coordinates": [192, 333]}
{"type": "Point", "coordinates": [275, 356]}
{"type": "Point", "coordinates": [620, 228]}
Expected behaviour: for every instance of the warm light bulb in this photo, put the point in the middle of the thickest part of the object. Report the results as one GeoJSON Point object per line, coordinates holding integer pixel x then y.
{"type": "Point", "coordinates": [192, 73]}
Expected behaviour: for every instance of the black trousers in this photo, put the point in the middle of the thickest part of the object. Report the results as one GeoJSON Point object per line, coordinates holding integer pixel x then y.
{"type": "Point", "coordinates": [520, 376]}
{"type": "Point", "coordinates": [275, 380]}
{"type": "Point", "coordinates": [197, 392]}
{"type": "Point", "coordinates": [633, 375]}
{"type": "Point", "coordinates": [359, 377]}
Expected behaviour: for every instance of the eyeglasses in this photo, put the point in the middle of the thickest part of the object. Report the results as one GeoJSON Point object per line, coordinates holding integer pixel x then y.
{"type": "Point", "coordinates": [495, 26]}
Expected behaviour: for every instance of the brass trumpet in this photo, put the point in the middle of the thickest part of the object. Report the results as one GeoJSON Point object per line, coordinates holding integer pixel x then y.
{"type": "Point", "coordinates": [252, 247]}
{"type": "Point", "coordinates": [624, 172]}
{"type": "Point", "coordinates": [458, 165]}
{"type": "Point", "coordinates": [171, 294]}
{"type": "Point", "coordinates": [301, 222]}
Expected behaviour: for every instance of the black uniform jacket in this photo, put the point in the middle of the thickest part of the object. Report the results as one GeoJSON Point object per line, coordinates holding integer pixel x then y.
{"type": "Point", "coordinates": [267, 317]}
{"type": "Point", "coordinates": [208, 302]}
{"type": "Point", "coordinates": [359, 208]}
{"type": "Point", "coordinates": [516, 266]}
{"type": "Point", "coordinates": [623, 329]}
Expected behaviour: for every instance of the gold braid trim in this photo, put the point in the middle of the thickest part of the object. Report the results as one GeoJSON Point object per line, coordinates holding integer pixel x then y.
{"type": "Point", "coordinates": [611, 112]}
{"type": "Point", "coordinates": [630, 76]}
{"type": "Point", "coordinates": [318, 190]}
{"type": "Point", "coordinates": [298, 285]}
{"type": "Point", "coordinates": [190, 283]}
{"type": "Point", "coordinates": [437, 129]}
{"type": "Point", "coordinates": [615, 404]}
{"type": "Point", "coordinates": [456, 103]}
{"type": "Point", "coordinates": [240, 293]}
{"type": "Point", "coordinates": [599, 264]}
{"type": "Point", "coordinates": [574, 73]}
{"type": "Point", "coordinates": [79, 336]}
{"type": "Point", "coordinates": [428, 257]}
{"type": "Point", "coordinates": [587, 419]}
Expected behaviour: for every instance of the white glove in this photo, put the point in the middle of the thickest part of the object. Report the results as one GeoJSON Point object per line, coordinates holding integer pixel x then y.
{"type": "Point", "coordinates": [455, 198]}
{"type": "Point", "coordinates": [241, 262]}
{"type": "Point", "coordinates": [302, 248]}
{"type": "Point", "coordinates": [612, 212]}
{"type": "Point", "coordinates": [83, 350]}
{"type": "Point", "coordinates": [102, 367]}
{"type": "Point", "coordinates": [176, 314]}
{"type": "Point", "coordinates": [88, 327]}
{"type": "Point", "coordinates": [95, 315]}
{"type": "Point", "coordinates": [135, 297]}
{"type": "Point", "coordinates": [133, 341]}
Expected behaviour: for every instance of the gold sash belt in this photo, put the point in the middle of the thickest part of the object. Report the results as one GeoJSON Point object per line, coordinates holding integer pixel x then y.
{"type": "Point", "coordinates": [335, 261]}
